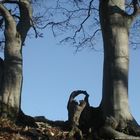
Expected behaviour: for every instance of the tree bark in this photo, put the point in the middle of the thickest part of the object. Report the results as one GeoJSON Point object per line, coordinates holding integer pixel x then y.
{"type": "Point", "coordinates": [116, 59]}
{"type": "Point", "coordinates": [15, 34]}
{"type": "Point", "coordinates": [115, 24]}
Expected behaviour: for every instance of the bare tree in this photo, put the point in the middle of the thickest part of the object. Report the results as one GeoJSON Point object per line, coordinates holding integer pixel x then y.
{"type": "Point", "coordinates": [112, 119]}
{"type": "Point", "coordinates": [115, 24]}
{"type": "Point", "coordinates": [114, 19]}
{"type": "Point", "coordinates": [15, 29]}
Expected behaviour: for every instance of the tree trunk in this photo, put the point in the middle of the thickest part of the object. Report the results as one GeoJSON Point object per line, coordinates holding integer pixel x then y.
{"type": "Point", "coordinates": [116, 59]}
{"type": "Point", "coordinates": [12, 76]}
{"type": "Point", "coordinates": [115, 24]}
{"type": "Point", "coordinates": [12, 82]}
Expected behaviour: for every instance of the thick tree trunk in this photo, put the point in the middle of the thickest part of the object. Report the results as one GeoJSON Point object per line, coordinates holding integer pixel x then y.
{"type": "Point", "coordinates": [113, 119]}
{"type": "Point", "coordinates": [15, 34]}
{"type": "Point", "coordinates": [12, 82]}
{"type": "Point", "coordinates": [116, 116]}
{"type": "Point", "coordinates": [116, 59]}
{"type": "Point", "coordinates": [12, 70]}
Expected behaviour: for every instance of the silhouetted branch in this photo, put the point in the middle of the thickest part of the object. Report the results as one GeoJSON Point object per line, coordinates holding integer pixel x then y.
{"type": "Point", "coordinates": [136, 7]}
{"type": "Point", "coordinates": [88, 15]}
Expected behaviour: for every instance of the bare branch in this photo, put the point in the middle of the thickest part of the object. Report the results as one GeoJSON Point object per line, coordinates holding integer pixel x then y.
{"type": "Point", "coordinates": [10, 24]}
{"type": "Point", "coordinates": [36, 33]}
{"type": "Point", "coordinates": [25, 21]}
{"type": "Point", "coordinates": [88, 15]}
{"type": "Point", "coordinates": [9, 1]}
{"type": "Point", "coordinates": [136, 8]}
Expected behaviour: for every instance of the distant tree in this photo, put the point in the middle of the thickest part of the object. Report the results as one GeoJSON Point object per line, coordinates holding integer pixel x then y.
{"type": "Point", "coordinates": [81, 20]}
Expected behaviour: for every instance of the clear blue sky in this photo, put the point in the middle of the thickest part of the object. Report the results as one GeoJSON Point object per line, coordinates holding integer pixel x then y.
{"type": "Point", "coordinates": [52, 72]}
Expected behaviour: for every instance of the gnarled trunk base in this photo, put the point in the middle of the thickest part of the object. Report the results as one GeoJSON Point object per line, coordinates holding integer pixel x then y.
{"type": "Point", "coordinates": [91, 122]}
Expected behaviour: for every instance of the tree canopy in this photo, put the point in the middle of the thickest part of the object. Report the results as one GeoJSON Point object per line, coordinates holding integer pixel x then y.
{"type": "Point", "coordinates": [79, 21]}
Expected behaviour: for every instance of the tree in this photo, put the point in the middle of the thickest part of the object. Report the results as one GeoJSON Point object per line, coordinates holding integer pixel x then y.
{"type": "Point", "coordinates": [15, 32]}
{"type": "Point", "coordinates": [112, 119]}
{"type": "Point", "coordinates": [116, 120]}
{"type": "Point", "coordinates": [115, 24]}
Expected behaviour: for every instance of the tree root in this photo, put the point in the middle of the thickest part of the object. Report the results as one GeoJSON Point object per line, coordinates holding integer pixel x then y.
{"type": "Point", "coordinates": [88, 117]}
{"type": "Point", "coordinates": [134, 128]}
{"type": "Point", "coordinates": [25, 120]}
{"type": "Point", "coordinates": [76, 133]}
{"type": "Point", "coordinates": [108, 132]}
